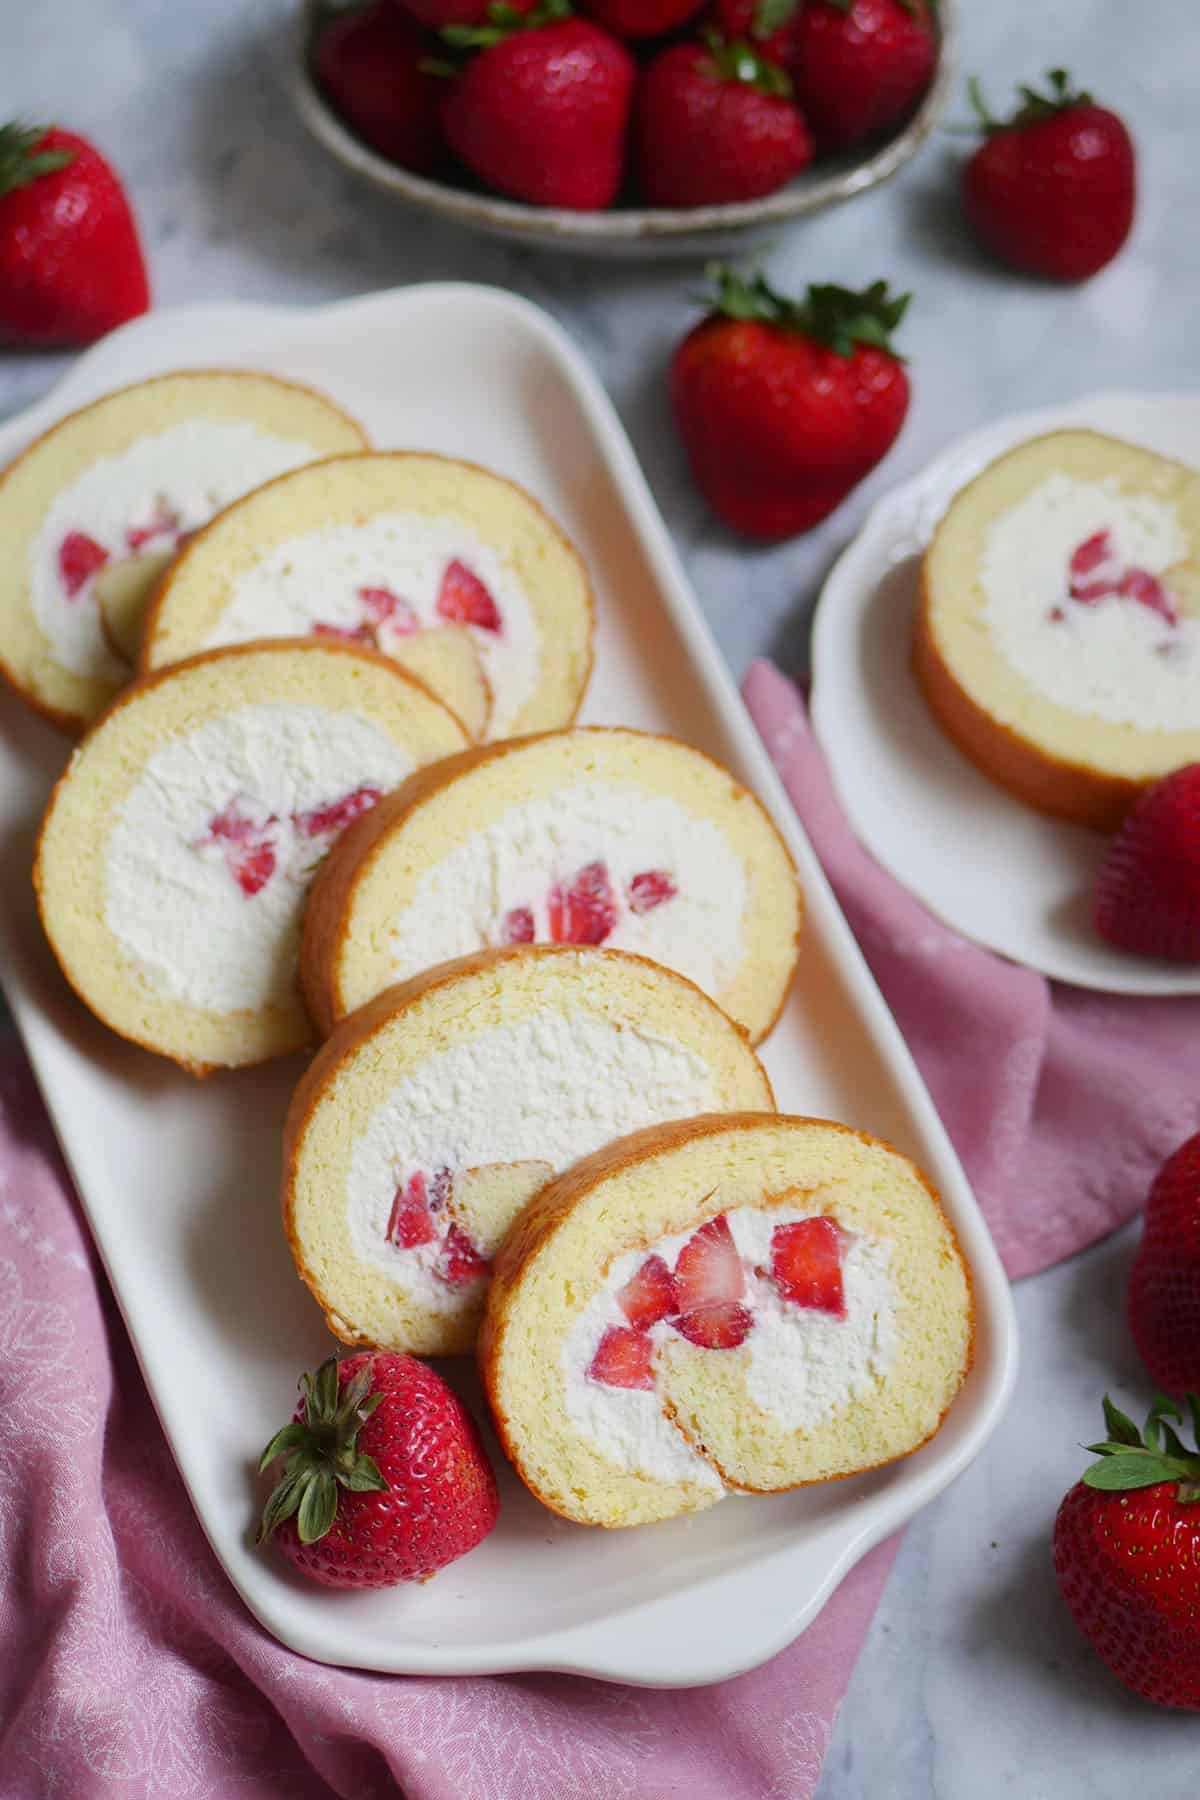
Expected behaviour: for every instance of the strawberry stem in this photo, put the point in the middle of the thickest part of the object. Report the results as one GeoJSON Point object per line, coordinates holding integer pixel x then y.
{"type": "Point", "coordinates": [1034, 107]}
{"type": "Point", "coordinates": [738, 60]}
{"type": "Point", "coordinates": [321, 1454]}
{"type": "Point", "coordinates": [840, 317]}
{"type": "Point", "coordinates": [1130, 1458]}
{"type": "Point", "coordinates": [20, 160]}
{"type": "Point", "coordinates": [503, 22]}
{"type": "Point", "coordinates": [772, 16]}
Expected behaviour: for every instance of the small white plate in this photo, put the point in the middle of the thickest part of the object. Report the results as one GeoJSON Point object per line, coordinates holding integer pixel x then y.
{"type": "Point", "coordinates": [180, 1179]}
{"type": "Point", "coordinates": [993, 869]}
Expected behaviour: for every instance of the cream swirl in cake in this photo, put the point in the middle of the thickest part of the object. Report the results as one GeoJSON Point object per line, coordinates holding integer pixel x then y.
{"type": "Point", "coordinates": [436, 1110]}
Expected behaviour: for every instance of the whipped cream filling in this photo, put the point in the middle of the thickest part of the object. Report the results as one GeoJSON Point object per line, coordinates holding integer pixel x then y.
{"type": "Point", "coordinates": [803, 1364]}
{"type": "Point", "coordinates": [145, 497]}
{"type": "Point", "coordinates": [463, 902]}
{"type": "Point", "coordinates": [208, 863]}
{"type": "Point", "coordinates": [547, 1088]}
{"type": "Point", "coordinates": [1112, 658]}
{"type": "Point", "coordinates": [318, 578]}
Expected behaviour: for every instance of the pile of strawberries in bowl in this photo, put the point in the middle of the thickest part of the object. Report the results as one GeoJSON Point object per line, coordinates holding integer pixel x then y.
{"type": "Point", "coordinates": [582, 106]}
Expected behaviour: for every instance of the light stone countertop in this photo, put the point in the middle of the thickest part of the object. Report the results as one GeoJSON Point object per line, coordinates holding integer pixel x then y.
{"type": "Point", "coordinates": [973, 1684]}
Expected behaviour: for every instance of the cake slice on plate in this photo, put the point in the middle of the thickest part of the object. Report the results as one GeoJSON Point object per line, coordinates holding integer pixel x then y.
{"type": "Point", "coordinates": [433, 1113]}
{"type": "Point", "coordinates": [177, 848]}
{"type": "Point", "coordinates": [753, 1303]}
{"type": "Point", "coordinates": [94, 509]}
{"type": "Point", "coordinates": [598, 836]}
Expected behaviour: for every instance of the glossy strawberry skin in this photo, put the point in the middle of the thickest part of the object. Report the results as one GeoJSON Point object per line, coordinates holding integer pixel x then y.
{"type": "Point", "coordinates": [542, 116]}
{"type": "Point", "coordinates": [1164, 1285]}
{"type": "Point", "coordinates": [1128, 1567]}
{"type": "Point", "coordinates": [369, 64]}
{"type": "Point", "coordinates": [1146, 896]}
{"type": "Point", "coordinates": [435, 14]}
{"type": "Point", "coordinates": [442, 1498]}
{"type": "Point", "coordinates": [858, 72]}
{"type": "Point", "coordinates": [71, 264]}
{"type": "Point", "coordinates": [779, 428]}
{"type": "Point", "coordinates": [736, 19]}
{"type": "Point", "coordinates": [633, 19]}
{"type": "Point", "coordinates": [702, 140]}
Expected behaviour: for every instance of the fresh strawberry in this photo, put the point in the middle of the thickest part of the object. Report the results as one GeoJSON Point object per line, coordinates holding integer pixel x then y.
{"type": "Point", "coordinates": [518, 926]}
{"type": "Point", "coordinates": [371, 64]}
{"type": "Point", "coordinates": [1146, 896]}
{"type": "Point", "coordinates": [323, 821]}
{"type": "Point", "coordinates": [806, 1262]}
{"type": "Point", "coordinates": [438, 13]}
{"type": "Point", "coordinates": [1053, 189]}
{"type": "Point", "coordinates": [71, 266]}
{"type": "Point", "coordinates": [650, 889]}
{"type": "Point", "coordinates": [464, 598]}
{"type": "Point", "coordinates": [860, 65]}
{"type": "Point", "coordinates": [585, 911]}
{"type": "Point", "coordinates": [715, 122]}
{"type": "Point", "coordinates": [640, 18]}
{"type": "Point", "coordinates": [722, 1325]}
{"type": "Point", "coordinates": [649, 1295]}
{"type": "Point", "coordinates": [410, 1222]}
{"type": "Point", "coordinates": [460, 1261]}
{"type": "Point", "coordinates": [250, 854]}
{"type": "Point", "coordinates": [1127, 1554]}
{"type": "Point", "coordinates": [383, 607]}
{"type": "Point", "coordinates": [384, 1476]}
{"type": "Point", "coordinates": [541, 111]}
{"type": "Point", "coordinates": [708, 1269]}
{"type": "Point", "coordinates": [770, 25]}
{"type": "Point", "coordinates": [1164, 1286]}
{"type": "Point", "coordinates": [79, 558]}
{"type": "Point", "coordinates": [624, 1358]}
{"type": "Point", "coordinates": [253, 867]}
{"type": "Point", "coordinates": [784, 405]}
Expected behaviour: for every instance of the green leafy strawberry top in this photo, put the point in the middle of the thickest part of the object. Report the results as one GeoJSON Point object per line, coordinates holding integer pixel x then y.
{"type": "Point", "coordinates": [20, 159]}
{"type": "Point", "coordinates": [737, 60]}
{"type": "Point", "coordinates": [503, 21]}
{"type": "Point", "coordinates": [773, 15]}
{"type": "Point", "coordinates": [843, 318]}
{"type": "Point", "coordinates": [1130, 1458]}
{"type": "Point", "coordinates": [322, 1454]}
{"type": "Point", "coordinates": [1034, 107]}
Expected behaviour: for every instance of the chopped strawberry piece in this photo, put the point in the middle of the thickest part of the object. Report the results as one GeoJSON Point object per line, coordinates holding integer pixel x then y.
{"type": "Point", "coordinates": [586, 911]}
{"type": "Point", "coordinates": [518, 926]}
{"type": "Point", "coordinates": [464, 597]}
{"type": "Point", "coordinates": [721, 1325]}
{"type": "Point", "coordinates": [624, 1358]}
{"type": "Point", "coordinates": [806, 1261]}
{"type": "Point", "coordinates": [649, 1294]}
{"type": "Point", "coordinates": [1088, 592]}
{"type": "Point", "coordinates": [383, 607]}
{"type": "Point", "coordinates": [461, 1262]}
{"type": "Point", "coordinates": [1147, 590]}
{"type": "Point", "coordinates": [79, 558]}
{"type": "Point", "coordinates": [233, 827]}
{"type": "Point", "coordinates": [708, 1269]}
{"type": "Point", "coordinates": [409, 1222]}
{"type": "Point", "coordinates": [1089, 555]}
{"type": "Point", "coordinates": [650, 889]}
{"type": "Point", "coordinates": [346, 634]}
{"type": "Point", "coordinates": [253, 867]}
{"type": "Point", "coordinates": [322, 820]}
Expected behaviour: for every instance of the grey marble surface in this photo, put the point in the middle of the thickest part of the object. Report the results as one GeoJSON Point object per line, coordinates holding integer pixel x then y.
{"type": "Point", "coordinates": [972, 1683]}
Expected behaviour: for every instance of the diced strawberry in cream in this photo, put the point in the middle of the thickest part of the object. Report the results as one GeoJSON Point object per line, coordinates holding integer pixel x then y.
{"type": "Point", "coordinates": [624, 1358]}
{"type": "Point", "coordinates": [464, 598]}
{"type": "Point", "coordinates": [79, 558]}
{"type": "Point", "coordinates": [518, 926]}
{"type": "Point", "coordinates": [324, 821]}
{"type": "Point", "coordinates": [806, 1262]}
{"type": "Point", "coordinates": [708, 1269]}
{"type": "Point", "coordinates": [585, 911]}
{"type": "Point", "coordinates": [1089, 555]}
{"type": "Point", "coordinates": [383, 607]}
{"type": "Point", "coordinates": [650, 889]}
{"type": "Point", "coordinates": [253, 867]}
{"type": "Point", "coordinates": [346, 634]}
{"type": "Point", "coordinates": [410, 1223]}
{"type": "Point", "coordinates": [1147, 590]}
{"type": "Point", "coordinates": [721, 1325]}
{"type": "Point", "coordinates": [461, 1261]}
{"type": "Point", "coordinates": [649, 1295]}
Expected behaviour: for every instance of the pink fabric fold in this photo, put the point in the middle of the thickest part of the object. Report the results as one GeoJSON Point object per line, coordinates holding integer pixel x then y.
{"type": "Point", "coordinates": [129, 1668]}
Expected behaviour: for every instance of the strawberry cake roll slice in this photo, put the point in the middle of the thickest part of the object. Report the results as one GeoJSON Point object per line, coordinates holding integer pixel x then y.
{"type": "Point", "coordinates": [1058, 636]}
{"type": "Point", "coordinates": [177, 848]}
{"type": "Point", "coordinates": [751, 1302]}
{"type": "Point", "coordinates": [430, 1117]}
{"type": "Point", "coordinates": [596, 836]}
{"type": "Point", "coordinates": [375, 549]}
{"type": "Point", "coordinates": [93, 511]}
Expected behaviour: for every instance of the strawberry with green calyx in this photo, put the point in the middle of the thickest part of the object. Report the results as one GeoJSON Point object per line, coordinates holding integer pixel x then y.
{"type": "Point", "coordinates": [71, 265]}
{"type": "Point", "coordinates": [861, 65]}
{"type": "Point", "coordinates": [371, 64]}
{"type": "Point", "coordinates": [1053, 189]}
{"type": "Point", "coordinates": [715, 123]}
{"type": "Point", "coordinates": [541, 109]}
{"type": "Point", "coordinates": [437, 14]}
{"type": "Point", "coordinates": [1127, 1553]}
{"type": "Point", "coordinates": [384, 1478]}
{"type": "Point", "coordinates": [784, 405]}
{"type": "Point", "coordinates": [770, 25]}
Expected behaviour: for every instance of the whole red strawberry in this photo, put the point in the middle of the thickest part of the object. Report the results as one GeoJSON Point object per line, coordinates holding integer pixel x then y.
{"type": "Point", "coordinates": [1127, 1554]}
{"type": "Point", "coordinates": [370, 62]}
{"type": "Point", "coordinates": [384, 1477]}
{"type": "Point", "coordinates": [770, 25]}
{"type": "Point", "coordinates": [715, 123]}
{"type": "Point", "coordinates": [1146, 896]}
{"type": "Point", "coordinates": [860, 65]}
{"type": "Point", "coordinates": [541, 112]}
{"type": "Point", "coordinates": [71, 266]}
{"type": "Point", "coordinates": [640, 18]}
{"type": "Point", "coordinates": [1164, 1286]}
{"type": "Point", "coordinates": [1053, 189]}
{"type": "Point", "coordinates": [784, 405]}
{"type": "Point", "coordinates": [437, 13]}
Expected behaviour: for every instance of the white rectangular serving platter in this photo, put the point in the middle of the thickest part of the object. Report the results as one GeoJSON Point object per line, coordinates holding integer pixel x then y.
{"type": "Point", "coordinates": [179, 1179]}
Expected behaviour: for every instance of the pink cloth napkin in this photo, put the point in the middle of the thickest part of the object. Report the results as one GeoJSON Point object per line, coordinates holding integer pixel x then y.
{"type": "Point", "coordinates": [128, 1668]}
